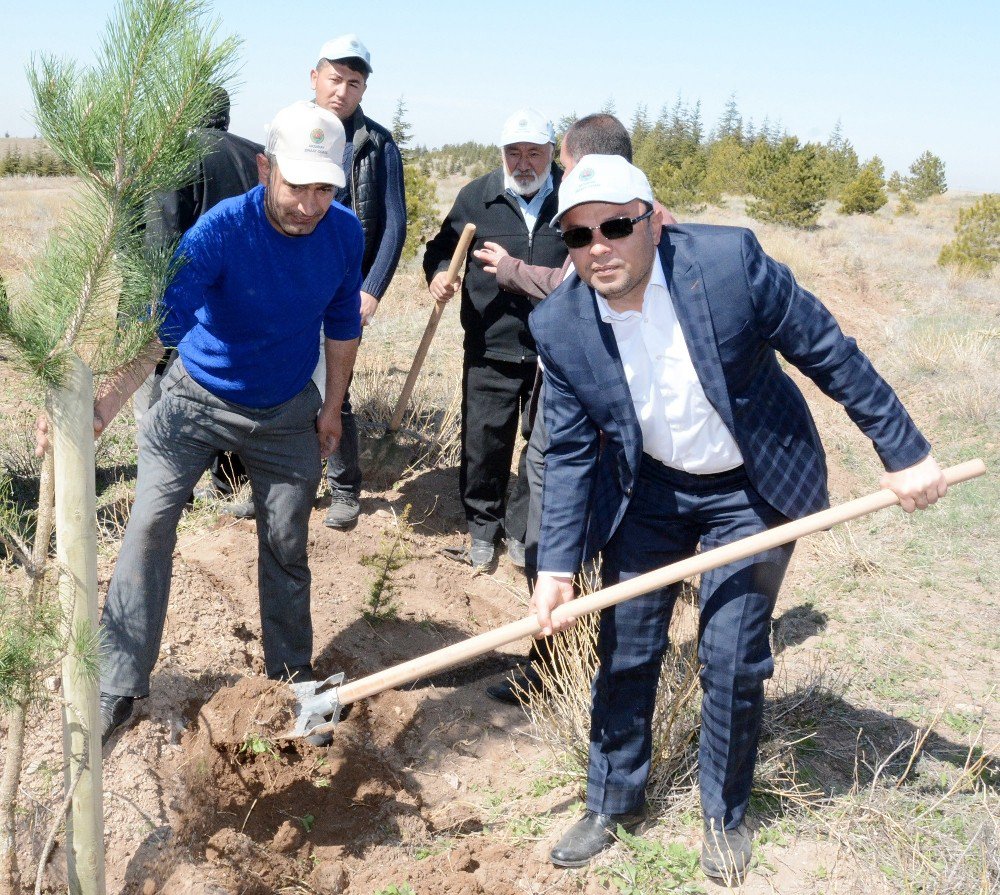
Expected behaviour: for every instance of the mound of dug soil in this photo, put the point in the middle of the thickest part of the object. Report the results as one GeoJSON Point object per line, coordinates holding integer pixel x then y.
{"type": "Point", "coordinates": [256, 814]}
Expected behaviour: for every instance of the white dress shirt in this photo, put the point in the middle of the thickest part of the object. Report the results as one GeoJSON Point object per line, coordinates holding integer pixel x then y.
{"type": "Point", "coordinates": [680, 428]}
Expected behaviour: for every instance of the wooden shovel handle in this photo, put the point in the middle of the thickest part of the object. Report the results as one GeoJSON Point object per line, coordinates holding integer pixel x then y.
{"type": "Point", "coordinates": [423, 666]}
{"type": "Point", "coordinates": [457, 259]}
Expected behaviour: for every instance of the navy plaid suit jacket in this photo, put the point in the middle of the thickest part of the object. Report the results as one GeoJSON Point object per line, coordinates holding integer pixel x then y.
{"type": "Point", "coordinates": [738, 309]}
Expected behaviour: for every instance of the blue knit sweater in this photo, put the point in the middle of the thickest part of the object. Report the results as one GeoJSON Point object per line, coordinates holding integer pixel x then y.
{"type": "Point", "coordinates": [246, 305]}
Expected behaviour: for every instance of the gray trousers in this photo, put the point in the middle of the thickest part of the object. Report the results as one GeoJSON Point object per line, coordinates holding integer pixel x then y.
{"type": "Point", "coordinates": [178, 437]}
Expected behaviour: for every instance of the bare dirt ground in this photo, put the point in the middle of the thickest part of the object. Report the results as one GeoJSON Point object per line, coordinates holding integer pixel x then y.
{"type": "Point", "coordinates": [433, 788]}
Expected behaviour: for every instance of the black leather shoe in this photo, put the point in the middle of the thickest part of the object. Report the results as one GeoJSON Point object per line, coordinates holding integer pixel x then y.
{"type": "Point", "coordinates": [115, 711]}
{"type": "Point", "coordinates": [590, 835]}
{"type": "Point", "coordinates": [481, 554]}
{"type": "Point", "coordinates": [726, 854]}
{"type": "Point", "coordinates": [517, 686]}
{"type": "Point", "coordinates": [515, 553]}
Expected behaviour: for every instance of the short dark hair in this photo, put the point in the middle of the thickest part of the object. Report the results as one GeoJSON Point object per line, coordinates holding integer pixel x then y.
{"type": "Point", "coordinates": [352, 62]}
{"type": "Point", "coordinates": [598, 134]}
{"type": "Point", "coordinates": [217, 116]}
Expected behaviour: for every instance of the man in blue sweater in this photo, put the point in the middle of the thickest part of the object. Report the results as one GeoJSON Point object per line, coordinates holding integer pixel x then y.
{"type": "Point", "coordinates": [260, 275]}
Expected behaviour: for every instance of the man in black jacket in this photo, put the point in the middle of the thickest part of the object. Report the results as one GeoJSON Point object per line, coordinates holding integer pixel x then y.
{"type": "Point", "coordinates": [511, 206]}
{"type": "Point", "coordinates": [374, 191]}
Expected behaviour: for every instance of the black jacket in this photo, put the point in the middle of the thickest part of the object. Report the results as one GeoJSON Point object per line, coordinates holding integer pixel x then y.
{"type": "Point", "coordinates": [368, 183]}
{"type": "Point", "coordinates": [496, 321]}
{"type": "Point", "coordinates": [228, 169]}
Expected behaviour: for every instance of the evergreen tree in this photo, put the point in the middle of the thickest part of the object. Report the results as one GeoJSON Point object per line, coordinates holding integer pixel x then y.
{"type": "Point", "coordinates": [15, 161]}
{"type": "Point", "coordinates": [640, 127]}
{"type": "Point", "coordinates": [401, 133]}
{"type": "Point", "coordinates": [564, 124]}
{"type": "Point", "coordinates": [905, 206]}
{"type": "Point", "coordinates": [976, 246]}
{"type": "Point", "coordinates": [839, 162]}
{"type": "Point", "coordinates": [725, 170]}
{"type": "Point", "coordinates": [124, 126]}
{"type": "Point", "coordinates": [421, 196]}
{"type": "Point", "coordinates": [731, 123]}
{"type": "Point", "coordinates": [421, 209]}
{"type": "Point", "coordinates": [926, 177]}
{"type": "Point", "coordinates": [895, 183]}
{"type": "Point", "coordinates": [864, 194]}
{"type": "Point", "coordinates": [679, 188]}
{"type": "Point", "coordinates": [764, 159]}
{"type": "Point", "coordinates": [794, 193]}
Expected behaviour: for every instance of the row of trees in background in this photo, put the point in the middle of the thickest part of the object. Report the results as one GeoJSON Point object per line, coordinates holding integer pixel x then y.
{"type": "Point", "coordinates": [40, 161]}
{"type": "Point", "coordinates": [786, 182]}
{"type": "Point", "coordinates": [690, 166]}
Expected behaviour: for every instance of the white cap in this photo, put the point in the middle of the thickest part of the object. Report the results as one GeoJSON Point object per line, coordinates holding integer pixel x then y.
{"type": "Point", "coordinates": [527, 126]}
{"type": "Point", "coordinates": [308, 143]}
{"type": "Point", "coordinates": [602, 178]}
{"type": "Point", "coordinates": [347, 46]}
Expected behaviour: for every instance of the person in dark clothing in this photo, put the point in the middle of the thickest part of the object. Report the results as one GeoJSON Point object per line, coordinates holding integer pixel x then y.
{"type": "Point", "coordinates": [374, 191]}
{"type": "Point", "coordinates": [228, 169]}
{"type": "Point", "coordinates": [511, 206]}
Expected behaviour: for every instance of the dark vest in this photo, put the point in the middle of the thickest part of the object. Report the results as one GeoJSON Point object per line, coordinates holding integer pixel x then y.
{"type": "Point", "coordinates": [367, 183]}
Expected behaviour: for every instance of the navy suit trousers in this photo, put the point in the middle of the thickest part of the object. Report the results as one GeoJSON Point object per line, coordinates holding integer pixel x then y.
{"type": "Point", "coordinates": [670, 515]}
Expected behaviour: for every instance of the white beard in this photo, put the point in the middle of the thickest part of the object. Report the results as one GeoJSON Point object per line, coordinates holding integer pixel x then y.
{"type": "Point", "coordinates": [528, 189]}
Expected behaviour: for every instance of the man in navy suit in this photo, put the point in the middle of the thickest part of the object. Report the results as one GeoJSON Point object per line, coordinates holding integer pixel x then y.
{"type": "Point", "coordinates": [671, 424]}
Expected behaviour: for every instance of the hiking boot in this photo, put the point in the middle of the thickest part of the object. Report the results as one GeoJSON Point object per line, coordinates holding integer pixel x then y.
{"type": "Point", "coordinates": [725, 854]}
{"type": "Point", "coordinates": [115, 711]}
{"type": "Point", "coordinates": [344, 511]}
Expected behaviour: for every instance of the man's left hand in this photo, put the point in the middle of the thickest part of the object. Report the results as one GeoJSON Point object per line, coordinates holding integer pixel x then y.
{"type": "Point", "coordinates": [328, 429]}
{"type": "Point", "coordinates": [369, 305]}
{"type": "Point", "coordinates": [917, 486]}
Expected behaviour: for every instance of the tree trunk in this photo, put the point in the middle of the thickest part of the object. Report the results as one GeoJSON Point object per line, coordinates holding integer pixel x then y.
{"type": "Point", "coordinates": [76, 550]}
{"type": "Point", "coordinates": [10, 872]}
{"type": "Point", "coordinates": [10, 875]}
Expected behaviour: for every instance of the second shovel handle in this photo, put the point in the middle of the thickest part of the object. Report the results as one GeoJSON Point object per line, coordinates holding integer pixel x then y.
{"type": "Point", "coordinates": [457, 259]}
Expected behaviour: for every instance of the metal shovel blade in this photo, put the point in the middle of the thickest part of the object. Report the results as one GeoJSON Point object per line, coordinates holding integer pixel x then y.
{"type": "Point", "coordinates": [316, 703]}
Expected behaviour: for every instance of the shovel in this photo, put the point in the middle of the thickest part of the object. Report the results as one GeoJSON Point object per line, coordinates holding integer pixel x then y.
{"type": "Point", "coordinates": [381, 452]}
{"type": "Point", "coordinates": [332, 695]}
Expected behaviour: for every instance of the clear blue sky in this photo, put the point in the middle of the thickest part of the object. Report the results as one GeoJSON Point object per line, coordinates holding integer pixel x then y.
{"type": "Point", "coordinates": [901, 77]}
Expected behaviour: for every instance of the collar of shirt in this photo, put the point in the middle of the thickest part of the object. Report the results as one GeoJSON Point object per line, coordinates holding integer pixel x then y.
{"type": "Point", "coordinates": [656, 288]}
{"type": "Point", "coordinates": [530, 209]}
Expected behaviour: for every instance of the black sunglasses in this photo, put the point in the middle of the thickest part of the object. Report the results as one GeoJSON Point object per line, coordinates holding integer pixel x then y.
{"type": "Point", "coordinates": [616, 228]}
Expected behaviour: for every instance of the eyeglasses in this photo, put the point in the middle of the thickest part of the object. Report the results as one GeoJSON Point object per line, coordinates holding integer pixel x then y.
{"type": "Point", "coordinates": [616, 228]}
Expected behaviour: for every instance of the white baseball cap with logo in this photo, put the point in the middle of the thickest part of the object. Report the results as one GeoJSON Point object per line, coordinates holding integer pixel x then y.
{"type": "Point", "coordinates": [347, 46]}
{"type": "Point", "coordinates": [307, 142]}
{"type": "Point", "coordinates": [602, 178]}
{"type": "Point", "coordinates": [527, 126]}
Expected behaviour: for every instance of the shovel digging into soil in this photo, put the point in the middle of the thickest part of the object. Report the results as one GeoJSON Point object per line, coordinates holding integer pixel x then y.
{"type": "Point", "coordinates": [386, 451]}
{"type": "Point", "coordinates": [319, 701]}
